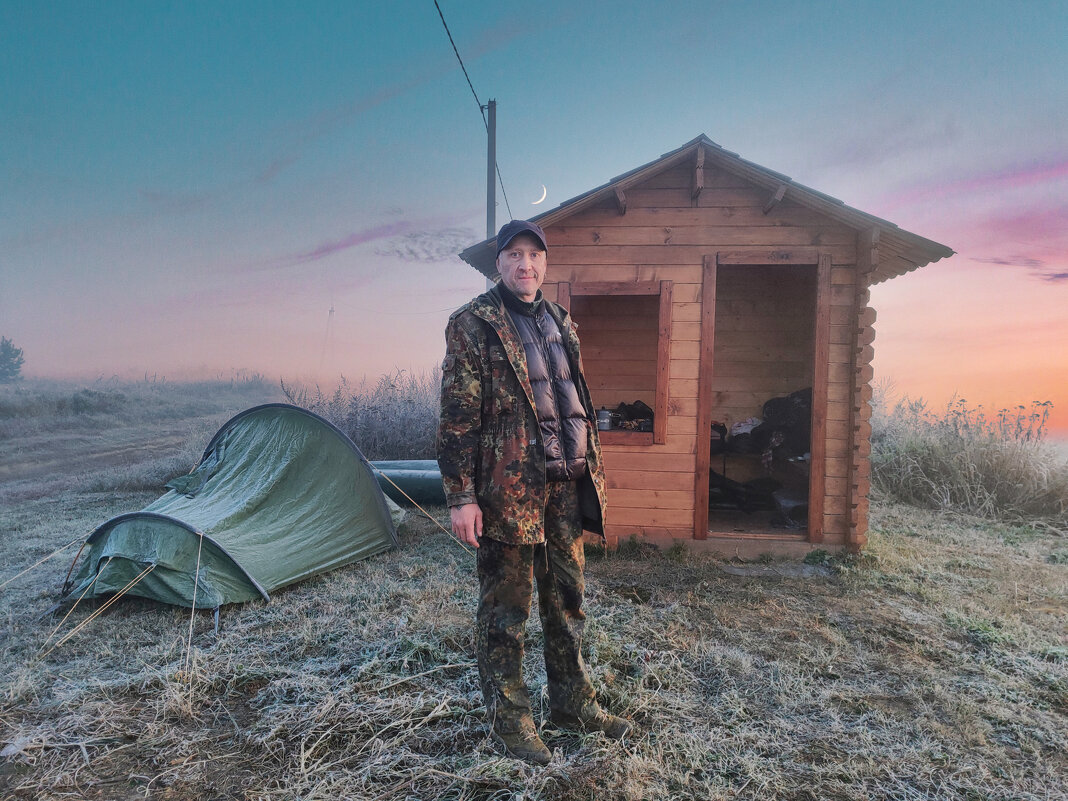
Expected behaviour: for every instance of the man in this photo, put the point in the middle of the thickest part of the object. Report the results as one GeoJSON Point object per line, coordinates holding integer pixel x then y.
{"type": "Point", "coordinates": [522, 470]}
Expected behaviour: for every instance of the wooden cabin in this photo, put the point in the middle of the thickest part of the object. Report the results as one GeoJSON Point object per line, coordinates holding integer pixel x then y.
{"type": "Point", "coordinates": [704, 287]}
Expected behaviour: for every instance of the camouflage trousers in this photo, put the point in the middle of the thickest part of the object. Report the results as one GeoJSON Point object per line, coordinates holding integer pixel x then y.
{"type": "Point", "coordinates": [507, 574]}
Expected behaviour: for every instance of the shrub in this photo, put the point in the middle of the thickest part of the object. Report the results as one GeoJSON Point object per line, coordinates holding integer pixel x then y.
{"type": "Point", "coordinates": [11, 361]}
{"type": "Point", "coordinates": [394, 418]}
{"type": "Point", "coordinates": [960, 460]}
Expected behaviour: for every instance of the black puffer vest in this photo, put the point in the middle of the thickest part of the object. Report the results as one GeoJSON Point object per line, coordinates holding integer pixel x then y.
{"type": "Point", "coordinates": [561, 417]}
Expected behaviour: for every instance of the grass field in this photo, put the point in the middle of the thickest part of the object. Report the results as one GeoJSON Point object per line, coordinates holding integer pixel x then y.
{"type": "Point", "coordinates": [934, 665]}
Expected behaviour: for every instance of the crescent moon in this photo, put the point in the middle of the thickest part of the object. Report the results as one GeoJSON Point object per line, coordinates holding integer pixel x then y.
{"type": "Point", "coordinates": [544, 194]}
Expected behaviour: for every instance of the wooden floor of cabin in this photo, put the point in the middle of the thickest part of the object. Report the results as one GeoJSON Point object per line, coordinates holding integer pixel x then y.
{"type": "Point", "coordinates": [752, 524]}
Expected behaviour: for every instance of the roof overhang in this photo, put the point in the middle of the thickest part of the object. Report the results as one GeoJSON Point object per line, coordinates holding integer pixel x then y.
{"type": "Point", "coordinates": [900, 251]}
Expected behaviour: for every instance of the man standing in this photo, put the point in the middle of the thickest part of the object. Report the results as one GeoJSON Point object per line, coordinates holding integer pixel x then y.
{"type": "Point", "coordinates": [521, 465]}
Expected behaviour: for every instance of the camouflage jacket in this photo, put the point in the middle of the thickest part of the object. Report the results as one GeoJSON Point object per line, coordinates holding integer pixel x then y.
{"type": "Point", "coordinates": [489, 448]}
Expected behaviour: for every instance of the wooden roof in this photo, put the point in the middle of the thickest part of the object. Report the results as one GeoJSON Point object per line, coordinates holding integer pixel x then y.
{"type": "Point", "coordinates": [900, 251]}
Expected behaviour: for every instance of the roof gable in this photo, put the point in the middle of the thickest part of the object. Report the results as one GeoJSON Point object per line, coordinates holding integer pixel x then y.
{"type": "Point", "coordinates": [900, 251]}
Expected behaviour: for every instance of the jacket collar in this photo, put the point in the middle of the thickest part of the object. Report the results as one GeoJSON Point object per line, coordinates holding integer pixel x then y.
{"type": "Point", "coordinates": [489, 306]}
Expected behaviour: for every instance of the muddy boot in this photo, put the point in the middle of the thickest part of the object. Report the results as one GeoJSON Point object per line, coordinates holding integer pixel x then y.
{"type": "Point", "coordinates": [522, 742]}
{"type": "Point", "coordinates": [592, 718]}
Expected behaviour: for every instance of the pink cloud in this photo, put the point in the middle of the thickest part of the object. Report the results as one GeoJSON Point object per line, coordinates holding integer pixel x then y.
{"type": "Point", "coordinates": [1038, 172]}
{"type": "Point", "coordinates": [350, 241]}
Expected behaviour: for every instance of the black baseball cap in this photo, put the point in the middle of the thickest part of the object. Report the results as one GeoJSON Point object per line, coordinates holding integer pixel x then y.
{"type": "Point", "coordinates": [510, 230]}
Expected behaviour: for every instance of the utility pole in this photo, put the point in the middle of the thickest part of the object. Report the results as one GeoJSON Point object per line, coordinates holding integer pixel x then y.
{"type": "Point", "coordinates": [491, 175]}
{"type": "Point", "coordinates": [491, 170]}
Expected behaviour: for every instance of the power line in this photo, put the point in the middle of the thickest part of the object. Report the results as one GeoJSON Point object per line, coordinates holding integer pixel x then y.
{"type": "Point", "coordinates": [481, 108]}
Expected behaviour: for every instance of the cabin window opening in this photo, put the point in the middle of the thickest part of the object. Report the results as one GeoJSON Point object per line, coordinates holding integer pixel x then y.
{"type": "Point", "coordinates": [625, 334]}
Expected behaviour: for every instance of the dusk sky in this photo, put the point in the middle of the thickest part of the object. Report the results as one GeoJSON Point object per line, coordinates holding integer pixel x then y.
{"type": "Point", "coordinates": [189, 188]}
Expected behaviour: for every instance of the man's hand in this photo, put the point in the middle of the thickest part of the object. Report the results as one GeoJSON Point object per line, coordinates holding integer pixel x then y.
{"type": "Point", "coordinates": [467, 523]}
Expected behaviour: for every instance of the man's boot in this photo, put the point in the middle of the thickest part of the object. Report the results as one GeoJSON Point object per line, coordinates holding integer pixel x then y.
{"type": "Point", "coordinates": [522, 741]}
{"type": "Point", "coordinates": [591, 718]}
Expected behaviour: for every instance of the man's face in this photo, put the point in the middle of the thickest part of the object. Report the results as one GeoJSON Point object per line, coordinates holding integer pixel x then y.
{"type": "Point", "coordinates": [522, 266]}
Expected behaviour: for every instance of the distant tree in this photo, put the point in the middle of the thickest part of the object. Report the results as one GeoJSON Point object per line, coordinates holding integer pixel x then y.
{"type": "Point", "coordinates": [10, 361]}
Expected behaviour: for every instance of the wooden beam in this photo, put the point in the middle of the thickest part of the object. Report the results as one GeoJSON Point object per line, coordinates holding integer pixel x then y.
{"type": "Point", "coordinates": [621, 201]}
{"type": "Point", "coordinates": [868, 251]}
{"type": "Point", "coordinates": [817, 489]}
{"type": "Point", "coordinates": [704, 398]}
{"type": "Point", "coordinates": [615, 288]}
{"type": "Point", "coordinates": [792, 255]}
{"type": "Point", "coordinates": [698, 176]}
{"type": "Point", "coordinates": [563, 295]}
{"type": "Point", "coordinates": [663, 364]}
{"type": "Point", "coordinates": [773, 201]}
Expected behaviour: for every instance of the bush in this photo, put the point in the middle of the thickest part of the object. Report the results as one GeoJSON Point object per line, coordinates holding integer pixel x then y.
{"type": "Point", "coordinates": [962, 461]}
{"type": "Point", "coordinates": [394, 418]}
{"type": "Point", "coordinates": [11, 361]}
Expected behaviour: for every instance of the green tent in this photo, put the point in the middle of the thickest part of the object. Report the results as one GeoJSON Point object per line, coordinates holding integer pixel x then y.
{"type": "Point", "coordinates": [279, 495]}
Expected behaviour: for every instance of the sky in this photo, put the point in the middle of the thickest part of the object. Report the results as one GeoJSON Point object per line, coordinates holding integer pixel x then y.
{"type": "Point", "coordinates": [192, 189]}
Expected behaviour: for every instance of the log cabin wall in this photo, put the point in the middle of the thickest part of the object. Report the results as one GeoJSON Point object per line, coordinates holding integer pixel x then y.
{"type": "Point", "coordinates": [664, 229]}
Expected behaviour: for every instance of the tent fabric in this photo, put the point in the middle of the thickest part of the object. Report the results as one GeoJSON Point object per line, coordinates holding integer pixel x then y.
{"type": "Point", "coordinates": [279, 495]}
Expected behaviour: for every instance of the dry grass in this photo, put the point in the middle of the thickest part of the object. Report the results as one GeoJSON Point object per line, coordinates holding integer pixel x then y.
{"type": "Point", "coordinates": [934, 666]}
{"type": "Point", "coordinates": [961, 460]}
{"type": "Point", "coordinates": [396, 417]}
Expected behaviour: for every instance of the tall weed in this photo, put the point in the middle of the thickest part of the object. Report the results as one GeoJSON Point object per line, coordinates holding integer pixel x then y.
{"type": "Point", "coordinates": [395, 417]}
{"type": "Point", "coordinates": [959, 459]}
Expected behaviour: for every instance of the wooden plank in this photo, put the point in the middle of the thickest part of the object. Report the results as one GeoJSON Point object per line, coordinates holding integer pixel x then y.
{"type": "Point", "coordinates": [726, 368]}
{"type": "Point", "coordinates": [682, 407]}
{"type": "Point", "coordinates": [648, 479]}
{"type": "Point", "coordinates": [683, 387]}
{"type": "Point", "coordinates": [624, 437]}
{"type": "Point", "coordinates": [818, 447]}
{"type": "Point", "coordinates": [655, 253]}
{"type": "Point", "coordinates": [707, 319]}
{"type": "Point", "coordinates": [838, 391]}
{"type": "Point", "coordinates": [675, 444]}
{"type": "Point", "coordinates": [687, 312]}
{"type": "Point", "coordinates": [651, 461]}
{"type": "Point", "coordinates": [663, 363]}
{"type": "Point", "coordinates": [685, 368]}
{"type": "Point", "coordinates": [751, 391]}
{"type": "Point", "coordinates": [650, 499]}
{"type": "Point", "coordinates": [678, 270]}
{"type": "Point", "coordinates": [842, 276]}
{"type": "Point", "coordinates": [625, 532]}
{"type": "Point", "coordinates": [681, 425]}
{"type": "Point", "coordinates": [775, 199]}
{"type": "Point", "coordinates": [757, 322]}
{"type": "Point", "coordinates": [839, 411]}
{"type": "Point", "coordinates": [842, 335]}
{"type": "Point", "coordinates": [640, 382]}
{"type": "Point", "coordinates": [684, 349]}
{"type": "Point", "coordinates": [616, 288]}
{"type": "Point", "coordinates": [674, 518]}
{"type": "Point", "coordinates": [792, 255]}
{"type": "Point", "coordinates": [698, 175]}
{"type": "Point", "coordinates": [836, 467]}
{"type": "Point", "coordinates": [563, 294]}
{"type": "Point", "coordinates": [685, 332]}
{"type": "Point", "coordinates": [786, 213]}
{"type": "Point", "coordinates": [624, 339]}
{"type": "Point", "coordinates": [836, 505]}
{"type": "Point", "coordinates": [843, 316]}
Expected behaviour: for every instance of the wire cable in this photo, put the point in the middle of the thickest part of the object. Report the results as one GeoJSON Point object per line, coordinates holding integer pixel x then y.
{"type": "Point", "coordinates": [481, 108]}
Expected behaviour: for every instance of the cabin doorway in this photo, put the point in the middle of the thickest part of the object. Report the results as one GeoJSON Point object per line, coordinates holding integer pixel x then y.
{"type": "Point", "coordinates": [761, 394]}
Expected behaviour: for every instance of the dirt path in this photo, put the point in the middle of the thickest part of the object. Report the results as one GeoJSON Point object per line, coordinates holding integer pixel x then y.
{"type": "Point", "coordinates": [54, 454]}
